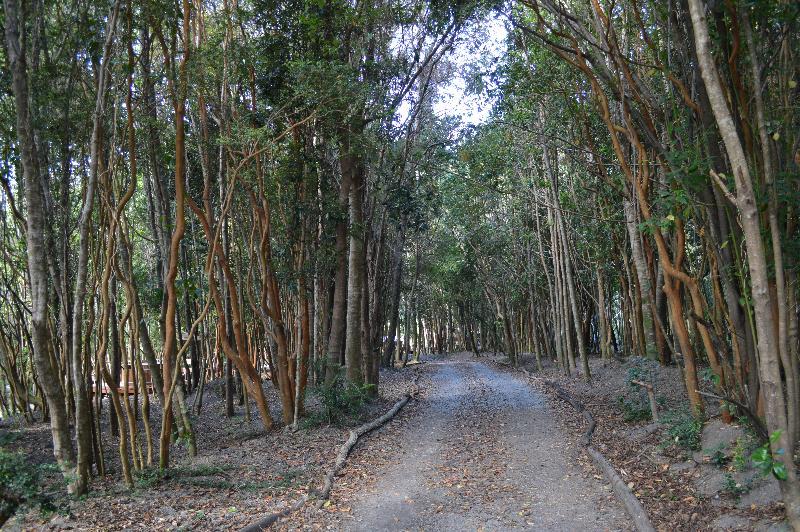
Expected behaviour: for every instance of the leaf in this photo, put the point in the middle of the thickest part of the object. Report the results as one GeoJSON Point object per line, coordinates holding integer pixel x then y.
{"type": "Point", "coordinates": [760, 455]}
{"type": "Point", "coordinates": [779, 471]}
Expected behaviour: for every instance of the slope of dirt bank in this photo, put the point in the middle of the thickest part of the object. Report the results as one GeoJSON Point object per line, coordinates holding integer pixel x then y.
{"type": "Point", "coordinates": [707, 487]}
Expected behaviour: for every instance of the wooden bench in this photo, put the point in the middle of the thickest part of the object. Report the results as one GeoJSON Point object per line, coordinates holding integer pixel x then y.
{"type": "Point", "coordinates": [130, 387]}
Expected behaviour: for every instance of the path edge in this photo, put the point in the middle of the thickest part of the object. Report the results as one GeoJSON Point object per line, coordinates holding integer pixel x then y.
{"type": "Point", "coordinates": [341, 458]}
{"type": "Point", "coordinates": [625, 495]}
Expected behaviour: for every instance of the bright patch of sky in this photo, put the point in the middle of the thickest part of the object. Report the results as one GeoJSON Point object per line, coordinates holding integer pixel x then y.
{"type": "Point", "coordinates": [473, 58]}
{"type": "Point", "coordinates": [463, 82]}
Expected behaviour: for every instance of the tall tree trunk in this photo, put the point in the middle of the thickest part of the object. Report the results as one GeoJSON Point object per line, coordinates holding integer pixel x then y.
{"type": "Point", "coordinates": [355, 284]}
{"type": "Point", "coordinates": [170, 340]}
{"type": "Point", "coordinates": [35, 241]}
{"type": "Point", "coordinates": [394, 298]}
{"type": "Point", "coordinates": [339, 312]}
{"type": "Point", "coordinates": [745, 200]}
{"type": "Point", "coordinates": [643, 276]}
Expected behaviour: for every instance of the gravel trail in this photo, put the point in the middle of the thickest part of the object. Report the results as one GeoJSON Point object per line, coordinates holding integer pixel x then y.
{"type": "Point", "coordinates": [483, 452]}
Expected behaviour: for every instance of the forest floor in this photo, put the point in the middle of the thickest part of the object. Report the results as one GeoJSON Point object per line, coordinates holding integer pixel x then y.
{"type": "Point", "coordinates": [481, 447]}
{"type": "Point", "coordinates": [240, 473]}
{"type": "Point", "coordinates": [481, 451]}
{"type": "Point", "coordinates": [687, 475]}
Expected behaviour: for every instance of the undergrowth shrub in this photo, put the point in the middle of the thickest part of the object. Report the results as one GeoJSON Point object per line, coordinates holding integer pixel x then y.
{"type": "Point", "coordinates": [745, 445]}
{"type": "Point", "coordinates": [20, 484]}
{"type": "Point", "coordinates": [340, 402]}
{"type": "Point", "coordinates": [633, 401]}
{"type": "Point", "coordinates": [683, 429]}
{"type": "Point", "coordinates": [634, 408]}
{"type": "Point", "coordinates": [148, 477]}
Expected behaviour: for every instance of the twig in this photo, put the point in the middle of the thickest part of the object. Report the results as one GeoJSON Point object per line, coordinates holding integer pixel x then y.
{"type": "Point", "coordinates": [723, 187]}
{"type": "Point", "coordinates": [758, 425]}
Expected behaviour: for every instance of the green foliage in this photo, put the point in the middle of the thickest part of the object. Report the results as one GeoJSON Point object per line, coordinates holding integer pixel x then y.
{"type": "Point", "coordinates": [634, 409]}
{"type": "Point", "coordinates": [708, 375]}
{"type": "Point", "coordinates": [741, 452]}
{"type": "Point", "coordinates": [733, 487]}
{"type": "Point", "coordinates": [340, 402]}
{"type": "Point", "coordinates": [20, 484]}
{"type": "Point", "coordinates": [717, 455]}
{"type": "Point", "coordinates": [634, 402]}
{"type": "Point", "coordinates": [147, 478]}
{"type": "Point", "coordinates": [683, 429]}
{"type": "Point", "coordinates": [765, 459]}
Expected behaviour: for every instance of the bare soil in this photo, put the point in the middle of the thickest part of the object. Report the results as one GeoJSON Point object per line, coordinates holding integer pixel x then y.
{"type": "Point", "coordinates": [681, 489]}
{"type": "Point", "coordinates": [482, 451]}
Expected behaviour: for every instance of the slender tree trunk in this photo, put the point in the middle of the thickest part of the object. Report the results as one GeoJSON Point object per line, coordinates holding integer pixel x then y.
{"type": "Point", "coordinates": [394, 300]}
{"type": "Point", "coordinates": [643, 277]}
{"type": "Point", "coordinates": [340, 297]}
{"type": "Point", "coordinates": [170, 341]}
{"type": "Point", "coordinates": [355, 285]}
{"type": "Point", "coordinates": [745, 201]}
{"type": "Point", "coordinates": [35, 242]}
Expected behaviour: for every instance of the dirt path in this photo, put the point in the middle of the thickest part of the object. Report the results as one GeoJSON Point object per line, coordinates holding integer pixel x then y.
{"type": "Point", "coordinates": [484, 453]}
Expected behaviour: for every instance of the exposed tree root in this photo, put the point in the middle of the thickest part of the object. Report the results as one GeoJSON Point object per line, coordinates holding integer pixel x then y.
{"type": "Point", "coordinates": [577, 405]}
{"type": "Point", "coordinates": [622, 491]}
{"type": "Point", "coordinates": [632, 504]}
{"type": "Point", "coordinates": [341, 458]}
{"type": "Point", "coordinates": [345, 449]}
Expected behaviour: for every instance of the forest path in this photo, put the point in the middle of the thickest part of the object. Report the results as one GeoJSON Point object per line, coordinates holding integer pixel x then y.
{"type": "Point", "coordinates": [483, 452]}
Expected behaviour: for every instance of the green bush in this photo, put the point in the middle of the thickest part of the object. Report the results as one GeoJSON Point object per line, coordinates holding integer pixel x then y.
{"type": "Point", "coordinates": [634, 408]}
{"type": "Point", "coordinates": [683, 429]}
{"type": "Point", "coordinates": [633, 402]}
{"type": "Point", "coordinates": [340, 402]}
{"type": "Point", "coordinates": [741, 452]}
{"type": "Point", "coordinates": [19, 483]}
{"type": "Point", "coordinates": [148, 477]}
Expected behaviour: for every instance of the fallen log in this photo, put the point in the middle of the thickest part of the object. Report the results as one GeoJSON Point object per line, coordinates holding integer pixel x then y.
{"type": "Point", "coordinates": [341, 458]}
{"type": "Point", "coordinates": [621, 490]}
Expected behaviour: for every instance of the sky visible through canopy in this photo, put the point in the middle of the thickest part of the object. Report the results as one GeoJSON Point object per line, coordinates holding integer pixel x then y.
{"type": "Point", "coordinates": [474, 57]}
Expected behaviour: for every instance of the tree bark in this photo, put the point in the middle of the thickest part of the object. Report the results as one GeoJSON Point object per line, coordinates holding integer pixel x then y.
{"type": "Point", "coordinates": [355, 284]}
{"type": "Point", "coordinates": [35, 240]}
{"type": "Point", "coordinates": [745, 200]}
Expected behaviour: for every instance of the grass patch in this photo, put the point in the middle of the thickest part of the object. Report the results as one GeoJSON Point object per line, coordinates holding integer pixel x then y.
{"type": "Point", "coordinates": [201, 470]}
